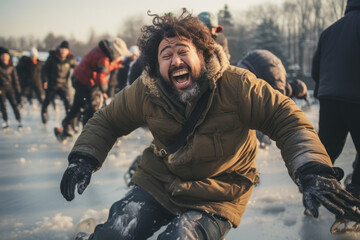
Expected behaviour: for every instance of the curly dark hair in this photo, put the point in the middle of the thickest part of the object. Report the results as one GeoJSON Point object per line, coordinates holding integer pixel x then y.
{"type": "Point", "coordinates": [168, 26]}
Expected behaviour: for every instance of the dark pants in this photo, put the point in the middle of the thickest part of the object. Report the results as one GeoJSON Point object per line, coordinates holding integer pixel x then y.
{"type": "Point", "coordinates": [336, 120]}
{"type": "Point", "coordinates": [37, 89]}
{"type": "Point", "coordinates": [7, 92]}
{"type": "Point", "coordinates": [139, 216]}
{"type": "Point", "coordinates": [88, 98]}
{"type": "Point", "coordinates": [50, 93]}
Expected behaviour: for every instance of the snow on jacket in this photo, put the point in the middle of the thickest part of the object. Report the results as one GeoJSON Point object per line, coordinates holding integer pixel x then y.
{"type": "Point", "coordinates": [95, 67]}
{"type": "Point", "coordinates": [9, 77]}
{"type": "Point", "coordinates": [55, 71]}
{"type": "Point", "coordinates": [267, 66]}
{"type": "Point", "coordinates": [215, 170]}
{"type": "Point", "coordinates": [29, 72]}
{"type": "Point", "coordinates": [336, 63]}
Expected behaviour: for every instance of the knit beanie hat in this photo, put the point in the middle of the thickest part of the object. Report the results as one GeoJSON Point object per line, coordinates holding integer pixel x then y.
{"type": "Point", "coordinates": [33, 52]}
{"type": "Point", "coordinates": [3, 50]}
{"type": "Point", "coordinates": [210, 20]}
{"type": "Point", "coordinates": [135, 50]}
{"type": "Point", "coordinates": [64, 44]}
{"type": "Point", "coordinates": [119, 48]}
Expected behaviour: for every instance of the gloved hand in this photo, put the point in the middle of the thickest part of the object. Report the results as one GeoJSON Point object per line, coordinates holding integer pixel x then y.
{"type": "Point", "coordinates": [77, 173]}
{"type": "Point", "coordinates": [320, 185]}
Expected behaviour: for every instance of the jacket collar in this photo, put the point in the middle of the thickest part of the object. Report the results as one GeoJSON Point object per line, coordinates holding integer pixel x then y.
{"type": "Point", "coordinates": [352, 5]}
{"type": "Point", "coordinates": [216, 66]}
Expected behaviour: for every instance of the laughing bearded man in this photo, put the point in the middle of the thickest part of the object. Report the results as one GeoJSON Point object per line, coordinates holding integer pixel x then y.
{"type": "Point", "coordinates": [198, 174]}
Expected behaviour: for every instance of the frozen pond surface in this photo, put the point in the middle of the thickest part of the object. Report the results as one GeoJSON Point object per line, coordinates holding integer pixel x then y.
{"type": "Point", "coordinates": [32, 164]}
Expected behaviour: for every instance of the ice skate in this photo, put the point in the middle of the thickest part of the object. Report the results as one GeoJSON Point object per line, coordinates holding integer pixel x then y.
{"type": "Point", "coordinates": [5, 126]}
{"type": "Point", "coordinates": [60, 135]}
{"type": "Point", "coordinates": [84, 229]}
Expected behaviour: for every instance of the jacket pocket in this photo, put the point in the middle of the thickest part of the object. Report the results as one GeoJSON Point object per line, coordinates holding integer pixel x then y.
{"type": "Point", "coordinates": [217, 136]}
{"type": "Point", "coordinates": [226, 188]}
{"type": "Point", "coordinates": [164, 130]}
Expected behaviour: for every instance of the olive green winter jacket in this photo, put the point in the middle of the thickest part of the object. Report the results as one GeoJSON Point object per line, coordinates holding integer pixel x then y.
{"type": "Point", "coordinates": [215, 170]}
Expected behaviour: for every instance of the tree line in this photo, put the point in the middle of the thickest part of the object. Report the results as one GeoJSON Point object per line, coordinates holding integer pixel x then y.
{"type": "Point", "coordinates": [290, 30]}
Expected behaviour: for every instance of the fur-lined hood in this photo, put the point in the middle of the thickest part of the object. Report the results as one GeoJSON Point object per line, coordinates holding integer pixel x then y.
{"type": "Point", "coordinates": [216, 66]}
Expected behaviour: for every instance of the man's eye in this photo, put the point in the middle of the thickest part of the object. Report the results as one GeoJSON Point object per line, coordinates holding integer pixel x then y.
{"type": "Point", "coordinates": [166, 56]}
{"type": "Point", "coordinates": [184, 52]}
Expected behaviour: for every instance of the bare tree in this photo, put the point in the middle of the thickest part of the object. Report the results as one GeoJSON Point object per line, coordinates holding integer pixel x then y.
{"type": "Point", "coordinates": [336, 8]}
{"type": "Point", "coordinates": [130, 30]}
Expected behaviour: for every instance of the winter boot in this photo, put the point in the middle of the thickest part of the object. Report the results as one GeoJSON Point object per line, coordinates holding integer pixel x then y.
{"type": "Point", "coordinates": [67, 131]}
{"type": "Point", "coordinates": [59, 134]}
{"type": "Point", "coordinates": [44, 117]}
{"type": "Point", "coordinates": [20, 125]}
{"type": "Point", "coordinates": [5, 125]}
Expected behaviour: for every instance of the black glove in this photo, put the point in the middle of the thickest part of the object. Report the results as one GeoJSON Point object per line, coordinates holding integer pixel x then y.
{"type": "Point", "coordinates": [320, 185]}
{"type": "Point", "coordinates": [77, 173]}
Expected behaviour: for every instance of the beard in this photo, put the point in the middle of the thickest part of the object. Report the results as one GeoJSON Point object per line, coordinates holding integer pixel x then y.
{"type": "Point", "coordinates": [189, 93]}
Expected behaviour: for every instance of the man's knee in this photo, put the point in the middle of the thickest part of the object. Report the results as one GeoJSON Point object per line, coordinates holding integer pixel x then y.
{"type": "Point", "coordinates": [196, 225]}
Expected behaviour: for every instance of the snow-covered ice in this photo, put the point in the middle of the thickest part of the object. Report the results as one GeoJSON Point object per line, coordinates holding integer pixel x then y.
{"type": "Point", "coordinates": [32, 164]}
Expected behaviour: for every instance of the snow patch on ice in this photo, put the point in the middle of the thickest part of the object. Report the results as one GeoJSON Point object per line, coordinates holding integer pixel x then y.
{"type": "Point", "coordinates": [33, 148]}
{"type": "Point", "coordinates": [43, 146]}
{"type": "Point", "coordinates": [59, 163]}
{"type": "Point", "coordinates": [289, 220]}
{"type": "Point", "coordinates": [274, 209]}
{"type": "Point", "coordinates": [48, 226]}
{"type": "Point", "coordinates": [57, 223]}
{"type": "Point", "coordinates": [22, 161]}
{"type": "Point", "coordinates": [120, 160]}
{"type": "Point", "coordinates": [99, 216]}
{"type": "Point", "coordinates": [270, 198]}
{"type": "Point", "coordinates": [111, 157]}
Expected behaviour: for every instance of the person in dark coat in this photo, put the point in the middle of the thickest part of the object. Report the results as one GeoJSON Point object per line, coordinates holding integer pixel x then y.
{"type": "Point", "coordinates": [336, 71]}
{"type": "Point", "coordinates": [55, 75]}
{"type": "Point", "coordinates": [265, 65]}
{"type": "Point", "coordinates": [123, 73]}
{"type": "Point", "coordinates": [90, 81]}
{"type": "Point", "coordinates": [9, 87]}
{"type": "Point", "coordinates": [29, 71]}
{"type": "Point", "coordinates": [135, 70]}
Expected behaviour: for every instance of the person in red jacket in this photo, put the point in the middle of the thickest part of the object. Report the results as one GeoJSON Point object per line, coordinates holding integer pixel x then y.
{"type": "Point", "coordinates": [90, 80]}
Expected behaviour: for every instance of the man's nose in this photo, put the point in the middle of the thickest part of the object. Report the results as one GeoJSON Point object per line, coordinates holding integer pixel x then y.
{"type": "Point", "coordinates": [176, 60]}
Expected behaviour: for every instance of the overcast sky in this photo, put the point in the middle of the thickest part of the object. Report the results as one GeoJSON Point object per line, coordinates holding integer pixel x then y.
{"type": "Point", "coordinates": [77, 17]}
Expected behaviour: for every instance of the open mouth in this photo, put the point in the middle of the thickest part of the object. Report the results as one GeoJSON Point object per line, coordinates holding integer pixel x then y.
{"type": "Point", "coordinates": [181, 78]}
